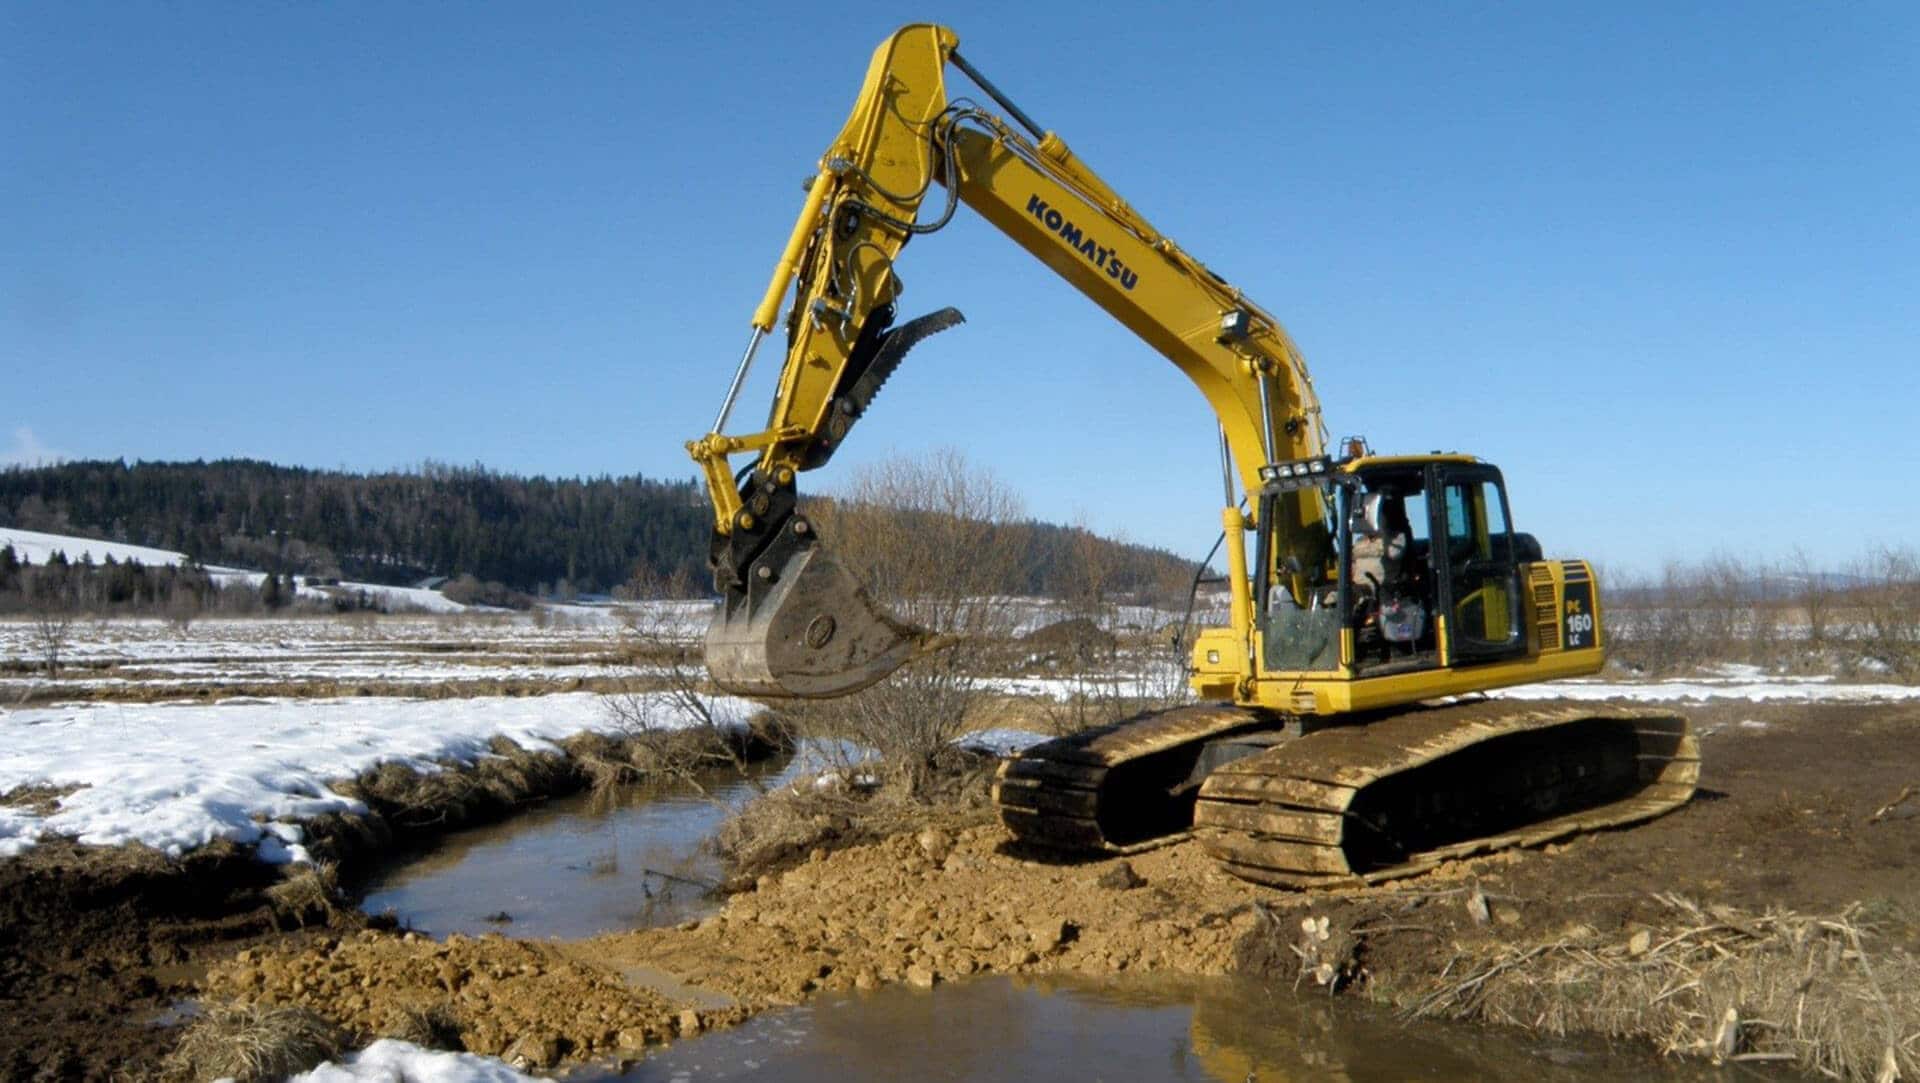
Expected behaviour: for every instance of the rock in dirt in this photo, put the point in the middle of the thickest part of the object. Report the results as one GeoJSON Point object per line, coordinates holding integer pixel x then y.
{"type": "Point", "coordinates": [1051, 933]}
{"type": "Point", "coordinates": [533, 1051]}
{"type": "Point", "coordinates": [1120, 878]}
{"type": "Point", "coordinates": [936, 844]}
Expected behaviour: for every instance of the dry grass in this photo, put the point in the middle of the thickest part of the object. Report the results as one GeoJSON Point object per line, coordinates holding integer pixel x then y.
{"type": "Point", "coordinates": [782, 828]}
{"type": "Point", "coordinates": [308, 895]}
{"type": "Point", "coordinates": [39, 800]}
{"type": "Point", "coordinates": [250, 1043]}
{"type": "Point", "coordinates": [413, 800]}
{"type": "Point", "coordinates": [435, 1026]}
{"type": "Point", "coordinates": [1819, 991]}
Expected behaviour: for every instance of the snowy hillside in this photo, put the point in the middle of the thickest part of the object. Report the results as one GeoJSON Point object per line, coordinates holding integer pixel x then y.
{"type": "Point", "coordinates": [35, 547]}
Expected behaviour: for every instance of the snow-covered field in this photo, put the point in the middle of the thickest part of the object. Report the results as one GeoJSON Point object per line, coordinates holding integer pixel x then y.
{"type": "Point", "coordinates": [1723, 682]}
{"type": "Point", "coordinates": [178, 776]}
{"type": "Point", "coordinates": [148, 658]}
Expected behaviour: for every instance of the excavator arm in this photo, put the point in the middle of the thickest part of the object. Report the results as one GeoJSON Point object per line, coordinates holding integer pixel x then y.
{"type": "Point", "coordinates": [795, 623]}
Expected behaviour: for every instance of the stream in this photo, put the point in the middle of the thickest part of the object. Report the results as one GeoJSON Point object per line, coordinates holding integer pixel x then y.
{"type": "Point", "coordinates": [572, 867]}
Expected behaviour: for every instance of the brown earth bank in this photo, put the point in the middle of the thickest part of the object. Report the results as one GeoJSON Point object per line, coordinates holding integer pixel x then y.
{"type": "Point", "coordinates": [97, 943]}
{"type": "Point", "coordinates": [1775, 917]}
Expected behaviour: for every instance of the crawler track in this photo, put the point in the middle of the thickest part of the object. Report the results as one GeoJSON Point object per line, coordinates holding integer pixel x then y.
{"type": "Point", "coordinates": [1401, 795]}
{"type": "Point", "coordinates": [1116, 788]}
{"type": "Point", "coordinates": [1361, 802]}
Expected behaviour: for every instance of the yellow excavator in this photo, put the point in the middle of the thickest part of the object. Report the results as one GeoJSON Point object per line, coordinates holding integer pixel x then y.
{"type": "Point", "coordinates": [1338, 739]}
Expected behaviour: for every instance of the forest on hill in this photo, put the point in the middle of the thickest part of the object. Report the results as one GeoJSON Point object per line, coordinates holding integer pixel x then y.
{"type": "Point", "coordinates": [538, 535]}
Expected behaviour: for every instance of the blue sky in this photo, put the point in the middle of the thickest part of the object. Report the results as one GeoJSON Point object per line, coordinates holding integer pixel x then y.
{"type": "Point", "coordinates": [1660, 262]}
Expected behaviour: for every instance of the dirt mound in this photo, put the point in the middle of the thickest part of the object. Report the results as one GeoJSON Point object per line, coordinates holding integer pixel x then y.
{"type": "Point", "coordinates": [926, 907]}
{"type": "Point", "coordinates": [525, 1002]}
{"type": "Point", "coordinates": [1075, 638]}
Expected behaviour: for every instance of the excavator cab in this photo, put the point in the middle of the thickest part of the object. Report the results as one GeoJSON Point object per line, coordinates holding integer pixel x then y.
{"type": "Point", "coordinates": [1433, 565]}
{"type": "Point", "coordinates": [1422, 570]}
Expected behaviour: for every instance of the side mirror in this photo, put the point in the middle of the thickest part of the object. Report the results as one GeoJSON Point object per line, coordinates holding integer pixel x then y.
{"type": "Point", "coordinates": [1365, 520]}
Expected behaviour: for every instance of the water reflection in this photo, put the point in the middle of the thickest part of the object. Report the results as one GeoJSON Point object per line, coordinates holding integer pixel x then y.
{"type": "Point", "coordinates": [1218, 1031]}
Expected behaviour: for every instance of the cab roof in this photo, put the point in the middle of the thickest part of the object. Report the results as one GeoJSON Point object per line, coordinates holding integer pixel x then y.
{"type": "Point", "coordinates": [1368, 461]}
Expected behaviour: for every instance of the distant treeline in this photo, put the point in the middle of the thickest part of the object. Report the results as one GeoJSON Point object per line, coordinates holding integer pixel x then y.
{"type": "Point", "coordinates": [539, 535]}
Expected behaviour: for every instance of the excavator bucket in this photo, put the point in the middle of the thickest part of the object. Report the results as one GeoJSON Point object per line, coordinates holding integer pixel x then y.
{"type": "Point", "coordinates": [806, 630]}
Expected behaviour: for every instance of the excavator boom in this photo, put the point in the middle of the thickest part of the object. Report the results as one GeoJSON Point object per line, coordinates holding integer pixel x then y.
{"type": "Point", "coordinates": [794, 622]}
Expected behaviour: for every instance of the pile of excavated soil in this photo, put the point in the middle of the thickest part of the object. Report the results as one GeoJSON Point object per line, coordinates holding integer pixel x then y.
{"type": "Point", "coordinates": [928, 908]}
{"type": "Point", "coordinates": [525, 1002]}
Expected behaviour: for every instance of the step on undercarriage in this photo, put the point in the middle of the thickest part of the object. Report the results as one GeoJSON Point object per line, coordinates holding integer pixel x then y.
{"type": "Point", "coordinates": [1353, 803]}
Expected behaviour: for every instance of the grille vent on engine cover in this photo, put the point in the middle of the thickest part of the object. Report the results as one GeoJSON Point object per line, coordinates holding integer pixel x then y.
{"type": "Point", "coordinates": [1546, 607]}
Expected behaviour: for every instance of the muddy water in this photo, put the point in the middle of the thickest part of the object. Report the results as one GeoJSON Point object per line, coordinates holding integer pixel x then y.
{"type": "Point", "coordinates": [1005, 1029]}
{"type": "Point", "coordinates": [569, 868]}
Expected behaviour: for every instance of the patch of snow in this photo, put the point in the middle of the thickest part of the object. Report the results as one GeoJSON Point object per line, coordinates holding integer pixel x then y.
{"type": "Point", "coordinates": [180, 776]}
{"type": "Point", "coordinates": [1128, 685]}
{"type": "Point", "coordinates": [1701, 690]}
{"type": "Point", "coordinates": [390, 1060]}
{"type": "Point", "coordinates": [1002, 742]}
{"type": "Point", "coordinates": [395, 598]}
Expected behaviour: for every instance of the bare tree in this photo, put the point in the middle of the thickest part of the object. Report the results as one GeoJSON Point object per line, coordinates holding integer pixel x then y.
{"type": "Point", "coordinates": [926, 535]}
{"type": "Point", "coordinates": [669, 721]}
{"type": "Point", "coordinates": [1813, 593]}
{"type": "Point", "coordinates": [1889, 608]}
{"type": "Point", "coordinates": [52, 627]}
